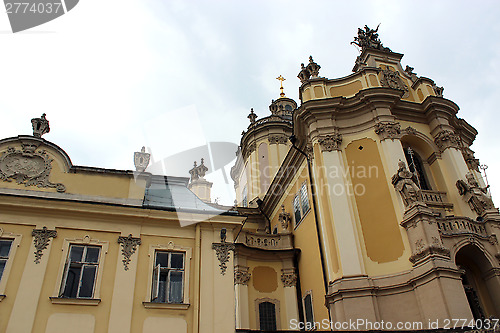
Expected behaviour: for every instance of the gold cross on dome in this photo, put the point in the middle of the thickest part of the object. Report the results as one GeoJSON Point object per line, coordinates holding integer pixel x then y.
{"type": "Point", "coordinates": [281, 78]}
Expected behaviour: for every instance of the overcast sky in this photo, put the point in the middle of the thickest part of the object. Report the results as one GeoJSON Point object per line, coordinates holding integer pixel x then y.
{"type": "Point", "coordinates": [114, 75]}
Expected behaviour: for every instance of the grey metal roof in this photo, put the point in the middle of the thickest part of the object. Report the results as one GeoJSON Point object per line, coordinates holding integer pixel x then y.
{"type": "Point", "coordinates": [171, 193]}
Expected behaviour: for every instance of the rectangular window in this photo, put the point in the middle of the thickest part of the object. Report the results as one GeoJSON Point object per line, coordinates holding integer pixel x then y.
{"type": "Point", "coordinates": [301, 204]}
{"type": "Point", "coordinates": [80, 272]}
{"type": "Point", "coordinates": [267, 316]}
{"type": "Point", "coordinates": [308, 309]}
{"type": "Point", "coordinates": [5, 245]}
{"type": "Point", "coordinates": [244, 201]}
{"type": "Point", "coordinates": [168, 277]}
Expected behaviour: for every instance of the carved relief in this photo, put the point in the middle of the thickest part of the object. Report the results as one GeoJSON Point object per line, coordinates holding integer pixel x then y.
{"type": "Point", "coordinates": [447, 139]}
{"type": "Point", "coordinates": [277, 139]}
{"type": "Point", "coordinates": [241, 275]}
{"type": "Point", "coordinates": [41, 239]}
{"type": "Point", "coordinates": [474, 195]}
{"type": "Point", "coordinates": [470, 159]}
{"type": "Point", "coordinates": [388, 130]}
{"type": "Point", "coordinates": [330, 142]}
{"type": "Point", "coordinates": [141, 160]}
{"type": "Point", "coordinates": [405, 182]}
{"type": "Point", "coordinates": [393, 80]}
{"type": "Point", "coordinates": [222, 251]}
{"type": "Point", "coordinates": [129, 246]}
{"type": "Point", "coordinates": [284, 217]}
{"type": "Point", "coordinates": [411, 131]}
{"type": "Point", "coordinates": [289, 277]}
{"type": "Point", "coordinates": [28, 167]}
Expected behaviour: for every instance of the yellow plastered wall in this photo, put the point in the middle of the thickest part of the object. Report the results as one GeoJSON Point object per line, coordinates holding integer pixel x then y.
{"type": "Point", "coordinates": [51, 280]}
{"type": "Point", "coordinates": [18, 262]}
{"type": "Point", "coordinates": [379, 224]}
{"type": "Point", "coordinates": [82, 183]}
{"type": "Point", "coordinates": [306, 239]}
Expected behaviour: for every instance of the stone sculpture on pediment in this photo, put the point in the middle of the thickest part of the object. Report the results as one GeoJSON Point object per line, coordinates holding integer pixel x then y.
{"type": "Point", "coordinates": [405, 182]}
{"type": "Point", "coordinates": [475, 195]}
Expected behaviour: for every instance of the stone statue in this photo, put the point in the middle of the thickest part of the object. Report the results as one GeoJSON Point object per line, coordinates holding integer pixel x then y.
{"type": "Point", "coordinates": [405, 182]}
{"type": "Point", "coordinates": [475, 195]}
{"type": "Point", "coordinates": [368, 39]}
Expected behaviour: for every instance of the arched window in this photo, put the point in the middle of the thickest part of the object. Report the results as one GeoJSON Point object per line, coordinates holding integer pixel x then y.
{"type": "Point", "coordinates": [415, 164]}
{"type": "Point", "coordinates": [267, 316]}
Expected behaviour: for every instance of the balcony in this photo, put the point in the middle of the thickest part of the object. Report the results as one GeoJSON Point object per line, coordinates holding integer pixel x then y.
{"type": "Point", "coordinates": [453, 226]}
{"type": "Point", "coordinates": [266, 241]}
{"type": "Point", "coordinates": [436, 199]}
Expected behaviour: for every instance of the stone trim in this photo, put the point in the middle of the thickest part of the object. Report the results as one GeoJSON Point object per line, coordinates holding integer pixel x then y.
{"type": "Point", "coordinates": [41, 239]}
{"type": "Point", "coordinates": [388, 130]}
{"type": "Point", "coordinates": [171, 306]}
{"type": "Point", "coordinates": [129, 246]}
{"type": "Point", "coordinates": [277, 139]}
{"type": "Point", "coordinates": [75, 301]}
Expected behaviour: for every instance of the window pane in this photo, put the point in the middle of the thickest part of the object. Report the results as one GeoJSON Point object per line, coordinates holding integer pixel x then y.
{"type": "Point", "coordinates": [76, 253]}
{"type": "Point", "coordinates": [304, 199]}
{"type": "Point", "coordinates": [92, 254]}
{"type": "Point", "coordinates": [296, 209]}
{"type": "Point", "coordinates": [72, 281]}
{"type": "Point", "coordinates": [162, 288]}
{"type": "Point", "coordinates": [88, 277]}
{"type": "Point", "coordinates": [2, 266]}
{"type": "Point", "coordinates": [175, 287]}
{"type": "Point", "coordinates": [5, 248]}
{"type": "Point", "coordinates": [308, 306]}
{"type": "Point", "coordinates": [177, 260]}
{"type": "Point", "coordinates": [267, 316]}
{"type": "Point", "coordinates": [162, 259]}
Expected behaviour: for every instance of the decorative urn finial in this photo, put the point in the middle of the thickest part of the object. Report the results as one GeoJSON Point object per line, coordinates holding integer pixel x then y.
{"type": "Point", "coordinates": [198, 171]}
{"type": "Point", "coordinates": [313, 67]}
{"type": "Point", "coordinates": [141, 160]}
{"type": "Point", "coordinates": [304, 74]}
{"type": "Point", "coordinates": [40, 126]}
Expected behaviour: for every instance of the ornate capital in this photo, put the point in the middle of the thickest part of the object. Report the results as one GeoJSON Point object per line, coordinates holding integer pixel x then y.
{"type": "Point", "coordinates": [388, 130]}
{"type": "Point", "coordinates": [330, 142]}
{"type": "Point", "coordinates": [40, 126]}
{"type": "Point", "coordinates": [28, 167]}
{"type": "Point", "coordinates": [241, 275]}
{"type": "Point", "coordinates": [222, 251]}
{"type": "Point", "coordinates": [470, 159]}
{"type": "Point", "coordinates": [447, 139]}
{"type": "Point", "coordinates": [289, 277]}
{"type": "Point", "coordinates": [129, 246]}
{"type": "Point", "coordinates": [41, 239]}
{"type": "Point", "coordinates": [277, 139]}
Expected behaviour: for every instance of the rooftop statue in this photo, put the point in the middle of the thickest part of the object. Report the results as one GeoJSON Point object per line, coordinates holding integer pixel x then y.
{"type": "Point", "coordinates": [368, 39]}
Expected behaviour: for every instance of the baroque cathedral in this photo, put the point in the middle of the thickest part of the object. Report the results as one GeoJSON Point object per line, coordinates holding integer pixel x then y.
{"type": "Point", "coordinates": [362, 207]}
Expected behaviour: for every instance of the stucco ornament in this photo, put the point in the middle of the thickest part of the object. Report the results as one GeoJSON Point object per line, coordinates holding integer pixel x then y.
{"type": "Point", "coordinates": [405, 182]}
{"type": "Point", "coordinates": [241, 275]}
{"type": "Point", "coordinates": [41, 239]}
{"type": "Point", "coordinates": [330, 142]}
{"type": "Point", "coordinates": [40, 126]}
{"type": "Point", "coordinates": [393, 80]}
{"type": "Point", "coordinates": [447, 139]}
{"type": "Point", "coordinates": [388, 130]}
{"type": "Point", "coordinates": [475, 195]}
{"type": "Point", "coordinates": [28, 167]}
{"type": "Point", "coordinates": [129, 246]}
{"type": "Point", "coordinates": [289, 277]}
{"type": "Point", "coordinates": [223, 254]}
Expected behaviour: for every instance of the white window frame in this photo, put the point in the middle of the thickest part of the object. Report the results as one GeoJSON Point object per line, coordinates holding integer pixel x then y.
{"type": "Point", "coordinates": [155, 294]}
{"type": "Point", "coordinates": [16, 241]}
{"type": "Point", "coordinates": [308, 293]}
{"type": "Point", "coordinates": [83, 264]}
{"type": "Point", "coordinates": [299, 196]}
{"type": "Point", "coordinates": [244, 196]}
{"type": "Point", "coordinates": [170, 247]}
{"type": "Point", "coordinates": [85, 241]}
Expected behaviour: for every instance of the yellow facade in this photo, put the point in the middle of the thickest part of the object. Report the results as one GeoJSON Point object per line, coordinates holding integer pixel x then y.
{"type": "Point", "coordinates": [363, 202]}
